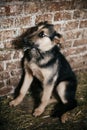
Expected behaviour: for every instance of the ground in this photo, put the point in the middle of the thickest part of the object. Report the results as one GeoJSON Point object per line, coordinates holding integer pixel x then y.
{"type": "Point", "coordinates": [20, 117]}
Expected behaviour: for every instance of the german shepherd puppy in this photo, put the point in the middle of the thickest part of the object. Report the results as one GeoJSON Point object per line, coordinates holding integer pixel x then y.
{"type": "Point", "coordinates": [44, 61]}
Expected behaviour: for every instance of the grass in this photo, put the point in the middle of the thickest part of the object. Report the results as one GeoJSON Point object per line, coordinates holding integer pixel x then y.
{"type": "Point", "coordinates": [20, 117]}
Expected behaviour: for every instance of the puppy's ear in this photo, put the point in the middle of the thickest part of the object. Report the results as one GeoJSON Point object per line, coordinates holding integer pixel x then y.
{"type": "Point", "coordinates": [42, 23]}
{"type": "Point", "coordinates": [45, 22]}
{"type": "Point", "coordinates": [58, 39]}
{"type": "Point", "coordinates": [58, 35]}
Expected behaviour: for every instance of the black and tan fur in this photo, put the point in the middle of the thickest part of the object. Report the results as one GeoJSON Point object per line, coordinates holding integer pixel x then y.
{"type": "Point", "coordinates": [44, 61]}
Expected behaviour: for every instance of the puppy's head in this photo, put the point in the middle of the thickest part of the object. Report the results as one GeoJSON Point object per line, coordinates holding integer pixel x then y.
{"type": "Point", "coordinates": [43, 36]}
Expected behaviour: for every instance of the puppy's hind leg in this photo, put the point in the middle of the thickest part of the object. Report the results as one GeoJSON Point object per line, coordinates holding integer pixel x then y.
{"type": "Point", "coordinates": [26, 85]}
{"type": "Point", "coordinates": [66, 91]}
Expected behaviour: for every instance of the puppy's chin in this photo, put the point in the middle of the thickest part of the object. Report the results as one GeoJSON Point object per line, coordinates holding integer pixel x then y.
{"type": "Point", "coordinates": [45, 44]}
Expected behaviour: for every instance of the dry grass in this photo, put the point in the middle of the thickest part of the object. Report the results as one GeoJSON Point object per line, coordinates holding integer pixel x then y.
{"type": "Point", "coordinates": [20, 117]}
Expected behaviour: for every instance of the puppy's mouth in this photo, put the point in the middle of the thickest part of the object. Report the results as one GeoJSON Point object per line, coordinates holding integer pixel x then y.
{"type": "Point", "coordinates": [28, 45]}
{"type": "Point", "coordinates": [33, 46]}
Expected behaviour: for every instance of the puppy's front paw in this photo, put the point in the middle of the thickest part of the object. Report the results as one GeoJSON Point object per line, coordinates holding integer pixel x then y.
{"type": "Point", "coordinates": [13, 103]}
{"type": "Point", "coordinates": [38, 112]}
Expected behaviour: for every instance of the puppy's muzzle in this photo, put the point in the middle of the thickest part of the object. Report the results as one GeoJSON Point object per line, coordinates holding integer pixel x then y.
{"type": "Point", "coordinates": [28, 44]}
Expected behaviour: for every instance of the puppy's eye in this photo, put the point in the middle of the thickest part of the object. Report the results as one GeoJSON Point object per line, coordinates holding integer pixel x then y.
{"type": "Point", "coordinates": [41, 34]}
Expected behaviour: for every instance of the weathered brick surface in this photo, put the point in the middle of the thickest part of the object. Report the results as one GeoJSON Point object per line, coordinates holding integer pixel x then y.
{"type": "Point", "coordinates": [83, 24]}
{"type": "Point", "coordinates": [9, 10]}
{"type": "Point", "coordinates": [69, 18]}
{"type": "Point", "coordinates": [8, 44]}
{"type": "Point", "coordinates": [4, 75]}
{"type": "Point", "coordinates": [17, 54]}
{"type": "Point", "coordinates": [6, 22]}
{"type": "Point", "coordinates": [32, 7]}
{"type": "Point", "coordinates": [6, 35]}
{"type": "Point", "coordinates": [1, 66]}
{"type": "Point", "coordinates": [73, 34]}
{"type": "Point", "coordinates": [13, 65]}
{"type": "Point", "coordinates": [45, 17]}
{"type": "Point", "coordinates": [15, 72]}
{"type": "Point", "coordinates": [13, 81]}
{"type": "Point", "coordinates": [70, 25]}
{"type": "Point", "coordinates": [62, 15]}
{"type": "Point", "coordinates": [4, 55]}
{"type": "Point", "coordinates": [5, 90]}
{"type": "Point", "coordinates": [80, 14]}
{"type": "Point", "coordinates": [80, 42]}
{"type": "Point", "coordinates": [1, 84]}
{"type": "Point", "coordinates": [22, 21]}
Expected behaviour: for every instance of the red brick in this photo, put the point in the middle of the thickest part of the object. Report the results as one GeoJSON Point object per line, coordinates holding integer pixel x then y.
{"type": "Point", "coordinates": [6, 22]}
{"type": "Point", "coordinates": [16, 72]}
{"type": "Point", "coordinates": [6, 55]}
{"type": "Point", "coordinates": [7, 34]}
{"type": "Point", "coordinates": [1, 84]}
{"type": "Point", "coordinates": [53, 6]}
{"type": "Point", "coordinates": [45, 17]}
{"type": "Point", "coordinates": [31, 7]}
{"type": "Point", "coordinates": [81, 14]}
{"type": "Point", "coordinates": [82, 64]}
{"type": "Point", "coordinates": [81, 49]}
{"type": "Point", "coordinates": [80, 42]}
{"type": "Point", "coordinates": [1, 66]}
{"type": "Point", "coordinates": [13, 81]}
{"type": "Point", "coordinates": [22, 21]}
{"type": "Point", "coordinates": [5, 90]}
{"type": "Point", "coordinates": [13, 65]}
{"type": "Point", "coordinates": [67, 44]}
{"type": "Point", "coordinates": [75, 59]}
{"type": "Point", "coordinates": [16, 55]}
{"type": "Point", "coordinates": [11, 9]}
{"type": "Point", "coordinates": [84, 35]}
{"type": "Point", "coordinates": [7, 10]}
{"type": "Point", "coordinates": [84, 57]}
{"type": "Point", "coordinates": [2, 11]}
{"type": "Point", "coordinates": [78, 63]}
{"type": "Point", "coordinates": [58, 16]}
{"type": "Point", "coordinates": [73, 34]}
{"type": "Point", "coordinates": [61, 5]}
{"type": "Point", "coordinates": [1, 46]}
{"type": "Point", "coordinates": [14, 9]}
{"type": "Point", "coordinates": [4, 75]}
{"type": "Point", "coordinates": [8, 45]}
{"type": "Point", "coordinates": [70, 25]}
{"type": "Point", "coordinates": [69, 51]}
{"type": "Point", "coordinates": [83, 24]}
{"type": "Point", "coordinates": [67, 15]}
{"type": "Point", "coordinates": [63, 15]}
{"type": "Point", "coordinates": [73, 51]}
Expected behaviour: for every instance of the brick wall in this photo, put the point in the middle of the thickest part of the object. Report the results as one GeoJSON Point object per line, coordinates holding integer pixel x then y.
{"type": "Point", "coordinates": [69, 18]}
